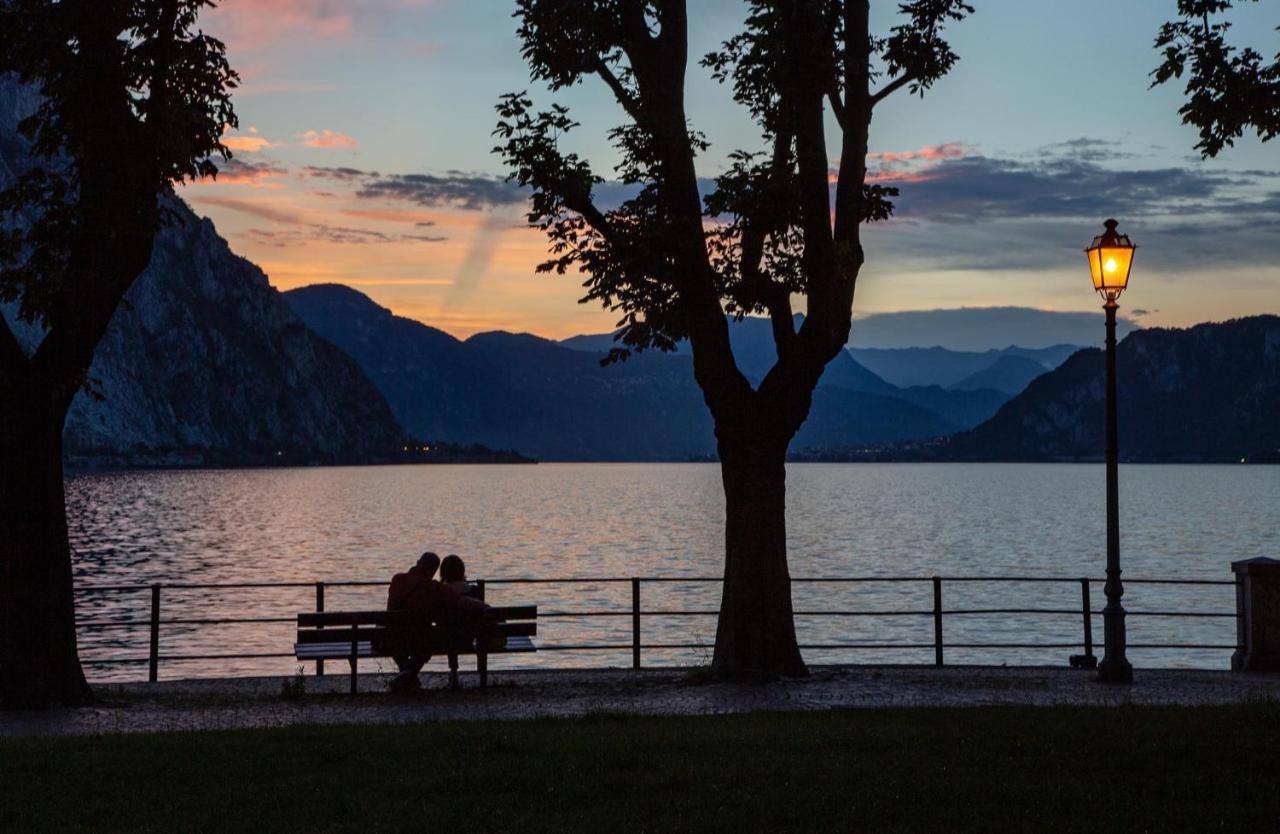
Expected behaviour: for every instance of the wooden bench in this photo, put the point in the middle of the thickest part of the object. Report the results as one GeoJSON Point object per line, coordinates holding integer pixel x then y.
{"type": "Point", "coordinates": [352, 635]}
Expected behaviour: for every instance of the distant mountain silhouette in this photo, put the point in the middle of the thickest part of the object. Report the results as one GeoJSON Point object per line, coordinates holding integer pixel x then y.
{"type": "Point", "coordinates": [755, 353]}
{"type": "Point", "coordinates": [1009, 374]}
{"type": "Point", "coordinates": [939, 366]}
{"type": "Point", "coordinates": [979, 329]}
{"type": "Point", "coordinates": [753, 347]}
{"type": "Point", "coordinates": [1207, 393]}
{"type": "Point", "coordinates": [204, 364]}
{"type": "Point", "coordinates": [521, 391]}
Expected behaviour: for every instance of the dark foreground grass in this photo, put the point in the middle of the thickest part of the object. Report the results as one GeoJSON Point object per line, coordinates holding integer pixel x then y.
{"type": "Point", "coordinates": [1130, 769]}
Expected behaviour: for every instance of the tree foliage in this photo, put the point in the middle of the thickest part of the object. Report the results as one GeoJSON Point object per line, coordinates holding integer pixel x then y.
{"type": "Point", "coordinates": [762, 231]}
{"type": "Point", "coordinates": [133, 100]}
{"type": "Point", "coordinates": [1229, 89]}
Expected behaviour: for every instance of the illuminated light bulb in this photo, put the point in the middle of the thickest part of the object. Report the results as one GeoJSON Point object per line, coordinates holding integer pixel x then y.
{"type": "Point", "coordinates": [1110, 265]}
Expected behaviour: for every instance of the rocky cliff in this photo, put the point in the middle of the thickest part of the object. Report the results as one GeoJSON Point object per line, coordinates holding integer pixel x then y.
{"type": "Point", "coordinates": [204, 362]}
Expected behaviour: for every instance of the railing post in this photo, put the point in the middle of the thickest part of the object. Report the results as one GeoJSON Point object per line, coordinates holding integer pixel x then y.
{"type": "Point", "coordinates": [354, 659]}
{"type": "Point", "coordinates": [482, 656]}
{"type": "Point", "coordinates": [320, 610]}
{"type": "Point", "coordinates": [1087, 610]}
{"type": "Point", "coordinates": [153, 661]}
{"type": "Point", "coordinates": [937, 621]}
{"type": "Point", "coordinates": [635, 623]}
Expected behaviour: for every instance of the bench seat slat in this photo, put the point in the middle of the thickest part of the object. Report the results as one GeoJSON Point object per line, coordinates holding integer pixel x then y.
{"type": "Point", "coordinates": [340, 650]}
{"type": "Point", "coordinates": [429, 634]}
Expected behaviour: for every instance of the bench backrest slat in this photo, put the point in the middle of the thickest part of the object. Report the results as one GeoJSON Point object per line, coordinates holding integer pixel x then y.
{"type": "Point", "coordinates": [317, 619]}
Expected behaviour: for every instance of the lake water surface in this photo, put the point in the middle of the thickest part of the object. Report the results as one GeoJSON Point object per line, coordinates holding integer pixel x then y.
{"type": "Point", "coordinates": [666, 520]}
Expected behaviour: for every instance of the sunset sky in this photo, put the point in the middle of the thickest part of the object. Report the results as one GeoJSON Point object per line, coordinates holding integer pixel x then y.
{"type": "Point", "coordinates": [363, 157]}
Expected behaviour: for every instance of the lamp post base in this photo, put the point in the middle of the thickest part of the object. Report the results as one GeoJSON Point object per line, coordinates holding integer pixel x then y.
{"type": "Point", "coordinates": [1115, 671]}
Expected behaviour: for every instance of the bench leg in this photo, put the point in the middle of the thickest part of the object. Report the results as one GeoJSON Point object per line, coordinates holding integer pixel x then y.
{"type": "Point", "coordinates": [453, 672]}
{"type": "Point", "coordinates": [353, 675]}
{"type": "Point", "coordinates": [482, 666]}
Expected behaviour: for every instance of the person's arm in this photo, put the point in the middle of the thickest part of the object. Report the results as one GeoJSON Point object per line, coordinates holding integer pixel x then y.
{"type": "Point", "coordinates": [457, 602]}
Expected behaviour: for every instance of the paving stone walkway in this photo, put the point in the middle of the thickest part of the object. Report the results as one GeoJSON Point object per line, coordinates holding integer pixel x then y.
{"type": "Point", "coordinates": [258, 702]}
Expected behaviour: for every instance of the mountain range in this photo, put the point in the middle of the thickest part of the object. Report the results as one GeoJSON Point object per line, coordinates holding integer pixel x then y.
{"type": "Point", "coordinates": [1203, 394]}
{"type": "Point", "coordinates": [1008, 369]}
{"type": "Point", "coordinates": [559, 402]}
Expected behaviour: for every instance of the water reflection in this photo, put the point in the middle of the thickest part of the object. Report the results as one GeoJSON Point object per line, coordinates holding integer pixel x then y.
{"type": "Point", "coordinates": [606, 520]}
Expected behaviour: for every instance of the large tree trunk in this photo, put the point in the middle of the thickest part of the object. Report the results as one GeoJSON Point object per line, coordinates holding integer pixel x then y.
{"type": "Point", "coordinates": [39, 662]}
{"type": "Point", "coordinates": [756, 635]}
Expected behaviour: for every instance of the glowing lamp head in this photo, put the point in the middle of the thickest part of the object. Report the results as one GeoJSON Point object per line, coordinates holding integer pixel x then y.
{"type": "Point", "coordinates": [1110, 259]}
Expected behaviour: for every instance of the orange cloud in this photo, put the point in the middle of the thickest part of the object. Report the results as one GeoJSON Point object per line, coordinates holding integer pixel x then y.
{"type": "Point", "coordinates": [326, 139]}
{"type": "Point", "coordinates": [895, 177]}
{"type": "Point", "coordinates": [246, 144]}
{"type": "Point", "coordinates": [929, 153]}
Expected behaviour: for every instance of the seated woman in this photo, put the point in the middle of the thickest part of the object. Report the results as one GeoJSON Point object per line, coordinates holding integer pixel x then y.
{"type": "Point", "coordinates": [453, 574]}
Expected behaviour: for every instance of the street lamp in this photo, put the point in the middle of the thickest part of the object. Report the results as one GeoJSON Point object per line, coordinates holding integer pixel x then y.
{"type": "Point", "coordinates": [1110, 260]}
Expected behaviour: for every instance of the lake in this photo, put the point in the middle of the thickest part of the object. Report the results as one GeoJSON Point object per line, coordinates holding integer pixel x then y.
{"type": "Point", "coordinates": [666, 520]}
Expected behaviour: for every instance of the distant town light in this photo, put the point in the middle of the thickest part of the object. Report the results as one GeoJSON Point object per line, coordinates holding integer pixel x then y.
{"type": "Point", "coordinates": [1110, 260]}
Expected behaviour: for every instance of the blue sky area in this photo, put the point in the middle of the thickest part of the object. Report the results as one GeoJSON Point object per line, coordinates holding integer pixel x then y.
{"type": "Point", "coordinates": [364, 159]}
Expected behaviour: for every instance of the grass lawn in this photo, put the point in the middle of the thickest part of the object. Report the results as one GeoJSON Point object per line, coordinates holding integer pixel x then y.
{"type": "Point", "coordinates": [997, 769]}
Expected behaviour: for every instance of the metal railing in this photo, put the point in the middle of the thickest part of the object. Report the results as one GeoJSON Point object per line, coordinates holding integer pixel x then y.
{"type": "Point", "coordinates": [637, 614]}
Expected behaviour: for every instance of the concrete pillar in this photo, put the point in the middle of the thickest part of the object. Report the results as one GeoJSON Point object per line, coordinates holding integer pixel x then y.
{"type": "Point", "coordinates": [1258, 604]}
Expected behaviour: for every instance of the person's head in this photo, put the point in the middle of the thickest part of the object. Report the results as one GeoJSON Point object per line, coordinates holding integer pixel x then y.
{"type": "Point", "coordinates": [452, 569]}
{"type": "Point", "coordinates": [428, 563]}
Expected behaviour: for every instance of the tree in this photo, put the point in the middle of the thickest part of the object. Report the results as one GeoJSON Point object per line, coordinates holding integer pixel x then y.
{"type": "Point", "coordinates": [132, 101]}
{"type": "Point", "coordinates": [672, 262]}
{"type": "Point", "coordinates": [1229, 89]}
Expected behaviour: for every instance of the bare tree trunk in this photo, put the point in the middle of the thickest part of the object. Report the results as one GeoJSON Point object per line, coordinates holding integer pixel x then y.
{"type": "Point", "coordinates": [756, 635]}
{"type": "Point", "coordinates": [39, 661]}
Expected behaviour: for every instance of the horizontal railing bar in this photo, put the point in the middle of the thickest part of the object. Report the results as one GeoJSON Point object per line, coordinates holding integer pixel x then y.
{"type": "Point", "coordinates": [101, 661]}
{"type": "Point", "coordinates": [1012, 645]}
{"type": "Point", "coordinates": [229, 621]}
{"type": "Point", "coordinates": [1072, 579]}
{"type": "Point", "coordinates": [1177, 614]}
{"type": "Point", "coordinates": [350, 583]}
{"type": "Point", "coordinates": [1181, 646]}
{"type": "Point", "coordinates": [1075, 612]}
{"type": "Point", "coordinates": [584, 648]}
{"type": "Point", "coordinates": [571, 614]}
{"type": "Point", "coordinates": [694, 613]}
{"type": "Point", "coordinates": [1129, 581]}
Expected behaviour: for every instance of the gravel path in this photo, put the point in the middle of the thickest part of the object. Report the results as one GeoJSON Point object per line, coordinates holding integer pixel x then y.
{"type": "Point", "coordinates": [258, 702]}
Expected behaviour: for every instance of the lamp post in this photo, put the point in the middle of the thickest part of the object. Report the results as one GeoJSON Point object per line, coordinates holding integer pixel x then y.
{"type": "Point", "coordinates": [1110, 259]}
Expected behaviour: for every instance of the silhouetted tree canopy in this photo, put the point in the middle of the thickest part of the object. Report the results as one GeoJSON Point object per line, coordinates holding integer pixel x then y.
{"type": "Point", "coordinates": [1230, 89]}
{"type": "Point", "coordinates": [754, 238]}
{"type": "Point", "coordinates": [129, 75]}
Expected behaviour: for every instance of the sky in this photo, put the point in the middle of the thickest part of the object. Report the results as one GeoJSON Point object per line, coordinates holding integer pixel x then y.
{"type": "Point", "coordinates": [364, 157]}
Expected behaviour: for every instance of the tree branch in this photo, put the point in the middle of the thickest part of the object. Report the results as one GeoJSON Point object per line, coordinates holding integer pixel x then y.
{"type": "Point", "coordinates": [620, 92]}
{"type": "Point", "coordinates": [12, 356]}
{"type": "Point", "coordinates": [892, 87]}
{"type": "Point", "coordinates": [837, 106]}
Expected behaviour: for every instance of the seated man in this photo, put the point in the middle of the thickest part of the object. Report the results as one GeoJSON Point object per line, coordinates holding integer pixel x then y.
{"type": "Point", "coordinates": [411, 591]}
{"type": "Point", "coordinates": [417, 590]}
